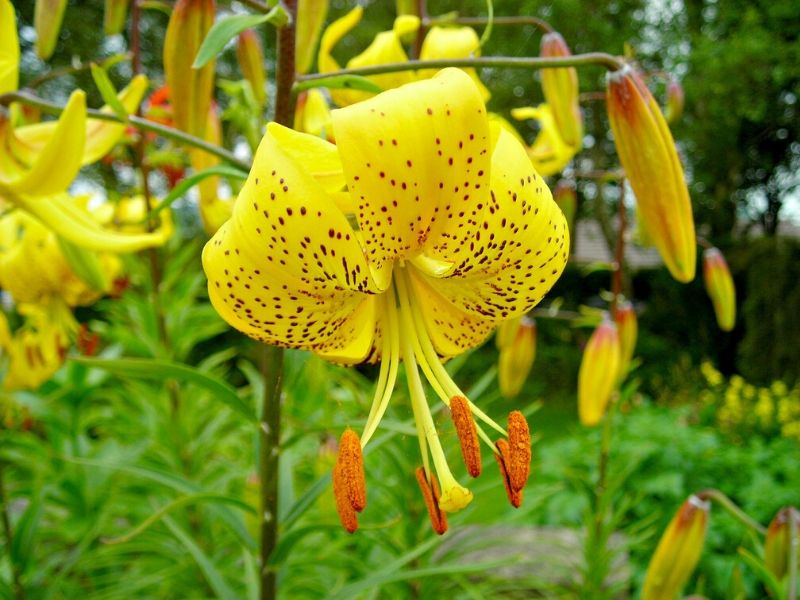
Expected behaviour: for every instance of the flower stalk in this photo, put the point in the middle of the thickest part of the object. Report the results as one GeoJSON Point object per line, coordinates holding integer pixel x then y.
{"type": "Point", "coordinates": [19, 590]}
{"type": "Point", "coordinates": [736, 512]}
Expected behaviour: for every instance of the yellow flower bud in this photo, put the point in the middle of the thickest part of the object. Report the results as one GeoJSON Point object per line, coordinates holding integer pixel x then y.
{"type": "Point", "coordinates": [190, 89]}
{"type": "Point", "coordinates": [598, 373]}
{"type": "Point", "coordinates": [678, 551]}
{"type": "Point", "coordinates": [675, 101]}
{"type": "Point", "coordinates": [719, 285]}
{"type": "Point", "coordinates": [311, 15]}
{"type": "Point", "coordinates": [47, 18]}
{"type": "Point", "coordinates": [625, 318]}
{"type": "Point", "coordinates": [9, 48]}
{"type": "Point", "coordinates": [778, 542]}
{"type": "Point", "coordinates": [313, 115]}
{"type": "Point", "coordinates": [650, 159]}
{"type": "Point", "coordinates": [560, 87]}
{"type": "Point", "coordinates": [517, 356]}
{"type": "Point", "coordinates": [251, 62]}
{"type": "Point", "coordinates": [566, 197]}
{"type": "Point", "coordinates": [114, 16]}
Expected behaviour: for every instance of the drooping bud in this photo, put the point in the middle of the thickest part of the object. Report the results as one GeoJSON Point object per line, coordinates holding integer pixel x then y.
{"type": "Point", "coordinates": [467, 434]}
{"type": "Point", "coordinates": [114, 16]}
{"type": "Point", "coordinates": [650, 159]}
{"type": "Point", "coordinates": [430, 492]}
{"type": "Point", "coordinates": [47, 18]}
{"type": "Point", "coordinates": [719, 285]}
{"type": "Point", "coordinates": [190, 89]}
{"type": "Point", "coordinates": [627, 327]}
{"type": "Point", "coordinates": [779, 539]}
{"type": "Point", "coordinates": [560, 87]}
{"type": "Point", "coordinates": [251, 62]}
{"type": "Point", "coordinates": [675, 101]}
{"type": "Point", "coordinates": [503, 458]}
{"type": "Point", "coordinates": [311, 15]}
{"type": "Point", "coordinates": [516, 359]}
{"type": "Point", "coordinates": [678, 551]}
{"type": "Point", "coordinates": [566, 197]}
{"type": "Point", "coordinates": [519, 451]}
{"type": "Point", "coordinates": [598, 373]}
{"type": "Point", "coordinates": [313, 115]}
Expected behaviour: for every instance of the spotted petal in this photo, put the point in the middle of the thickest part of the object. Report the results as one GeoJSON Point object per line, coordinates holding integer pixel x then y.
{"type": "Point", "coordinates": [290, 250]}
{"type": "Point", "coordinates": [416, 160]}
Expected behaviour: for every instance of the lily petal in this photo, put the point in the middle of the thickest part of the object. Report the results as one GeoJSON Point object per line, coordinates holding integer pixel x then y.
{"type": "Point", "coordinates": [9, 48]}
{"type": "Point", "coordinates": [452, 42]}
{"type": "Point", "coordinates": [414, 177]}
{"type": "Point", "coordinates": [549, 153]}
{"type": "Point", "coordinates": [288, 247]}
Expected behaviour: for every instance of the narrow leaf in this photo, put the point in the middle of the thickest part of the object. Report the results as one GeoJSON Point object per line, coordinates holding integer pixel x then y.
{"type": "Point", "coordinates": [186, 184]}
{"type": "Point", "coordinates": [347, 82]}
{"type": "Point", "coordinates": [86, 265]}
{"type": "Point", "coordinates": [227, 28]}
{"type": "Point", "coordinates": [107, 91]}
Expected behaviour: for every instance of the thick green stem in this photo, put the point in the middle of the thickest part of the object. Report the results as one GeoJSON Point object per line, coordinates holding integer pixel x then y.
{"type": "Point", "coordinates": [136, 121]}
{"type": "Point", "coordinates": [577, 60]}
{"type": "Point", "coordinates": [732, 509]}
{"type": "Point", "coordinates": [19, 590]}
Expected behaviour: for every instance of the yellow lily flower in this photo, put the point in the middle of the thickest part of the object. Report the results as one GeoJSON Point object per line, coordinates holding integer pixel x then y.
{"type": "Point", "coordinates": [313, 115]}
{"type": "Point", "coordinates": [311, 15]}
{"type": "Point", "coordinates": [549, 153]}
{"type": "Point", "coordinates": [455, 233]}
{"type": "Point", "coordinates": [387, 47]}
{"type": "Point", "coordinates": [37, 349]}
{"type": "Point", "coordinates": [9, 48]}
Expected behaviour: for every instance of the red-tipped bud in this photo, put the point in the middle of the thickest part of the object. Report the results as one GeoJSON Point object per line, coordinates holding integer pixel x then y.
{"type": "Point", "coordinates": [251, 62]}
{"type": "Point", "coordinates": [779, 539]}
{"type": "Point", "coordinates": [47, 18]}
{"type": "Point", "coordinates": [566, 197]}
{"type": "Point", "coordinates": [114, 16]}
{"type": "Point", "coordinates": [719, 285]}
{"type": "Point", "coordinates": [599, 372]}
{"type": "Point", "coordinates": [560, 87]}
{"type": "Point", "coordinates": [675, 101]}
{"type": "Point", "coordinates": [190, 89]}
{"type": "Point", "coordinates": [678, 551]}
{"type": "Point", "coordinates": [311, 15]}
{"type": "Point", "coordinates": [516, 356]}
{"type": "Point", "coordinates": [627, 327]}
{"type": "Point", "coordinates": [650, 159]}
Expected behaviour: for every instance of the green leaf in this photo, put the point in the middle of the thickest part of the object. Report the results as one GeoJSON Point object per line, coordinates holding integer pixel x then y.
{"type": "Point", "coordinates": [761, 571]}
{"type": "Point", "coordinates": [152, 368]}
{"type": "Point", "coordinates": [108, 92]}
{"type": "Point", "coordinates": [226, 28]}
{"type": "Point", "coordinates": [156, 5]}
{"type": "Point", "coordinates": [347, 82]}
{"type": "Point", "coordinates": [185, 185]}
{"type": "Point", "coordinates": [86, 265]}
{"type": "Point", "coordinates": [212, 575]}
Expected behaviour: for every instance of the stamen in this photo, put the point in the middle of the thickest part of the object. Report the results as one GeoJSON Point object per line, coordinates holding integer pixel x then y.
{"type": "Point", "coordinates": [467, 434]}
{"type": "Point", "coordinates": [502, 456]}
{"type": "Point", "coordinates": [343, 506]}
{"type": "Point", "coordinates": [351, 464]}
{"type": "Point", "coordinates": [430, 491]}
{"type": "Point", "coordinates": [519, 449]}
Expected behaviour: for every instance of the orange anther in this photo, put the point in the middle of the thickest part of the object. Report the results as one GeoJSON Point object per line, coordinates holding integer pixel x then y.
{"type": "Point", "coordinates": [467, 434]}
{"type": "Point", "coordinates": [352, 466]}
{"type": "Point", "coordinates": [502, 456]}
{"type": "Point", "coordinates": [519, 450]}
{"type": "Point", "coordinates": [343, 506]}
{"type": "Point", "coordinates": [431, 495]}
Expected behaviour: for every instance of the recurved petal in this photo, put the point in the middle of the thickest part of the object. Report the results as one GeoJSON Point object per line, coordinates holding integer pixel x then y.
{"type": "Point", "coordinates": [9, 48]}
{"type": "Point", "coordinates": [416, 161]}
{"type": "Point", "coordinates": [288, 269]}
{"type": "Point", "coordinates": [549, 153]}
{"type": "Point", "coordinates": [517, 248]}
{"type": "Point", "coordinates": [452, 42]}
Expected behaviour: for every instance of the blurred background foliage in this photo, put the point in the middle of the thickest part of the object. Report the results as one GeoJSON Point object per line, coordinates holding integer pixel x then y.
{"type": "Point", "coordinates": [118, 490]}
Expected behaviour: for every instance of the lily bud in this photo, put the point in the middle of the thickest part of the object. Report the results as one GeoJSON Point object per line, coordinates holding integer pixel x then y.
{"type": "Point", "coordinates": [313, 115]}
{"type": "Point", "coordinates": [625, 318]}
{"type": "Point", "coordinates": [311, 15]}
{"type": "Point", "coordinates": [779, 539]}
{"type": "Point", "coordinates": [190, 89]}
{"type": "Point", "coordinates": [598, 373]}
{"type": "Point", "coordinates": [516, 357]}
{"type": "Point", "coordinates": [678, 551]}
{"type": "Point", "coordinates": [560, 87]}
{"type": "Point", "coordinates": [566, 197]}
{"type": "Point", "coordinates": [47, 18]}
{"type": "Point", "coordinates": [650, 159]}
{"type": "Point", "coordinates": [675, 101]}
{"type": "Point", "coordinates": [719, 285]}
{"type": "Point", "coordinates": [9, 48]}
{"type": "Point", "coordinates": [251, 62]}
{"type": "Point", "coordinates": [114, 16]}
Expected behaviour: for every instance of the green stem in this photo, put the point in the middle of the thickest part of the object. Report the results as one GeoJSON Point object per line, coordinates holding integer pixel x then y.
{"type": "Point", "coordinates": [577, 60]}
{"type": "Point", "coordinates": [497, 21]}
{"type": "Point", "coordinates": [794, 549]}
{"type": "Point", "coordinates": [19, 591]}
{"type": "Point", "coordinates": [602, 466]}
{"type": "Point", "coordinates": [733, 510]}
{"type": "Point", "coordinates": [138, 122]}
